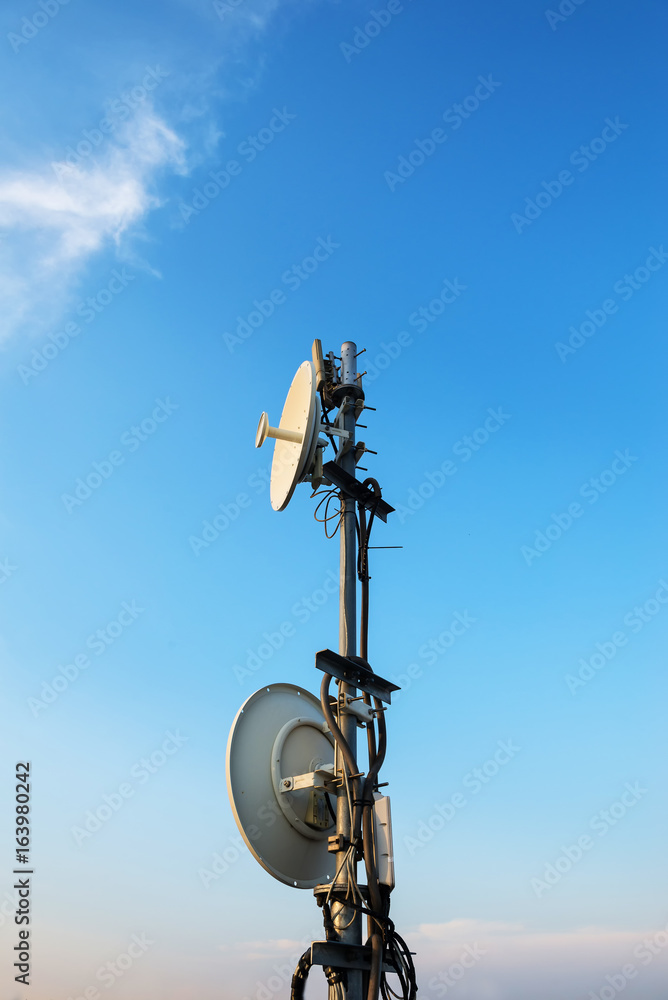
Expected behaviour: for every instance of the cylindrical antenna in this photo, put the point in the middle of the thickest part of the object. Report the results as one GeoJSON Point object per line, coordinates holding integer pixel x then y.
{"type": "Point", "coordinates": [319, 365]}
{"type": "Point", "coordinates": [280, 433]}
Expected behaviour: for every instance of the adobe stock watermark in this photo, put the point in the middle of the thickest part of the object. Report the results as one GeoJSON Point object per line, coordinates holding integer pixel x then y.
{"type": "Point", "coordinates": [31, 26]}
{"type": "Point", "coordinates": [470, 955]}
{"type": "Point", "coordinates": [7, 570]}
{"type": "Point", "coordinates": [591, 491]}
{"type": "Point", "coordinates": [562, 13]}
{"type": "Point", "coordinates": [454, 116]}
{"type": "Point", "coordinates": [420, 319]}
{"type": "Point", "coordinates": [248, 149]}
{"type": "Point", "coordinates": [130, 440]}
{"type": "Point", "coordinates": [636, 619]}
{"type": "Point", "coordinates": [120, 109]}
{"type": "Point", "coordinates": [140, 773]}
{"type": "Point", "coordinates": [88, 309]}
{"type": "Point", "coordinates": [436, 647]}
{"type": "Point", "coordinates": [98, 643]}
{"type": "Point", "coordinates": [464, 449]}
{"type": "Point", "coordinates": [301, 612]}
{"type": "Point", "coordinates": [582, 158]}
{"type": "Point", "coordinates": [645, 951]}
{"type": "Point", "coordinates": [474, 782]}
{"type": "Point", "coordinates": [601, 823]}
{"type": "Point", "coordinates": [228, 512]}
{"type": "Point", "coordinates": [292, 279]}
{"type": "Point", "coordinates": [109, 973]}
{"type": "Point", "coordinates": [223, 860]}
{"type": "Point", "coordinates": [625, 288]}
{"type": "Point", "coordinates": [281, 977]}
{"type": "Point", "coordinates": [235, 848]}
{"type": "Point", "coordinates": [363, 35]}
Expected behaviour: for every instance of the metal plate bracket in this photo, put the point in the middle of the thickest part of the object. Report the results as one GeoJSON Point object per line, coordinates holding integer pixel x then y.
{"type": "Point", "coordinates": [345, 669]}
{"type": "Point", "coordinates": [323, 778]}
{"type": "Point", "coordinates": [338, 955]}
{"type": "Point", "coordinates": [354, 488]}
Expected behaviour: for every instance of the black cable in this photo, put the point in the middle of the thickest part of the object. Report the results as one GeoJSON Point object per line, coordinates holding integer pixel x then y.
{"type": "Point", "coordinates": [363, 575]}
{"type": "Point", "coordinates": [370, 731]}
{"type": "Point", "coordinates": [327, 496]}
{"type": "Point", "coordinates": [330, 929]}
{"type": "Point", "coordinates": [373, 881]}
{"type": "Point", "coordinates": [409, 984]}
{"type": "Point", "coordinates": [399, 954]}
{"type": "Point", "coordinates": [342, 742]}
{"type": "Point", "coordinates": [337, 898]}
{"type": "Point", "coordinates": [344, 747]}
{"type": "Point", "coordinates": [382, 732]}
{"type": "Point", "coordinates": [378, 912]}
{"type": "Point", "coordinates": [364, 534]}
{"type": "Point", "coordinates": [376, 972]}
{"type": "Point", "coordinates": [410, 967]}
{"type": "Point", "coordinates": [379, 905]}
{"type": "Point", "coordinates": [300, 976]}
{"type": "Point", "coordinates": [394, 941]}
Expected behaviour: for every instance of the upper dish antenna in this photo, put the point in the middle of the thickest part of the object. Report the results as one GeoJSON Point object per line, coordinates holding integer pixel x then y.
{"type": "Point", "coordinates": [296, 436]}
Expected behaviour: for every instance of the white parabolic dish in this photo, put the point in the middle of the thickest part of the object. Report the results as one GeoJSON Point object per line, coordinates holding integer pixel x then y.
{"type": "Point", "coordinates": [280, 732]}
{"type": "Point", "coordinates": [292, 459]}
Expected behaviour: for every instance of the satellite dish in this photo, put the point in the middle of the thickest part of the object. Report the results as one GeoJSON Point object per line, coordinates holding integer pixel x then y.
{"type": "Point", "coordinates": [279, 735]}
{"type": "Point", "coordinates": [296, 437]}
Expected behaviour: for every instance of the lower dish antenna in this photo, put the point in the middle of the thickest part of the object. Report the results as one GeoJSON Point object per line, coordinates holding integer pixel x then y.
{"type": "Point", "coordinates": [280, 774]}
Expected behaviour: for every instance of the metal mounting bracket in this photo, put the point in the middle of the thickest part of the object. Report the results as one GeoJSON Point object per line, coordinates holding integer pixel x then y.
{"type": "Point", "coordinates": [338, 955]}
{"type": "Point", "coordinates": [322, 777]}
{"type": "Point", "coordinates": [345, 669]}
{"type": "Point", "coordinates": [334, 430]}
{"type": "Point", "coordinates": [353, 488]}
{"type": "Point", "coordinates": [364, 713]}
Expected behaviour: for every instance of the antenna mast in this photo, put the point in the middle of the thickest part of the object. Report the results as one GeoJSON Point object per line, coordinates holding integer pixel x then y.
{"type": "Point", "coordinates": [304, 849]}
{"type": "Point", "coordinates": [347, 922]}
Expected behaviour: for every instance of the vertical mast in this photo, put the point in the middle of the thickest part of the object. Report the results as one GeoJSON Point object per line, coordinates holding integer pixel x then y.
{"type": "Point", "coordinates": [344, 915]}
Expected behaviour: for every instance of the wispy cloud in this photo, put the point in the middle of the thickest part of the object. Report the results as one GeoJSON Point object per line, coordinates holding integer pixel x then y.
{"type": "Point", "coordinates": [261, 950]}
{"type": "Point", "coordinates": [55, 217]}
{"type": "Point", "coordinates": [507, 961]}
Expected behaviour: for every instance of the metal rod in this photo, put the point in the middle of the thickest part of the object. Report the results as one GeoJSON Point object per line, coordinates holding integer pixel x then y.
{"type": "Point", "coordinates": [346, 920]}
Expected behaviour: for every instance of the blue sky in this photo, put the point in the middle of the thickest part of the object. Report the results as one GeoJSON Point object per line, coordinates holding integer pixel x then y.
{"type": "Point", "coordinates": [485, 184]}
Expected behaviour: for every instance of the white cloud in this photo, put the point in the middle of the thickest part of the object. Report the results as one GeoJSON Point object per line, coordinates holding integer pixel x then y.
{"type": "Point", "coordinates": [463, 929]}
{"type": "Point", "coordinates": [262, 950]}
{"type": "Point", "coordinates": [519, 964]}
{"type": "Point", "coordinates": [54, 218]}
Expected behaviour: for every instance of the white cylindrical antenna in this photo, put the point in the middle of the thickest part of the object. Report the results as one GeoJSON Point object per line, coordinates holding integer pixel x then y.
{"type": "Point", "coordinates": [318, 364]}
{"type": "Point", "coordinates": [280, 433]}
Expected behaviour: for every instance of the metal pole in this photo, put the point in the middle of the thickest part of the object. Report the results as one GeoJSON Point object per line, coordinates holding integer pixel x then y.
{"type": "Point", "coordinates": [347, 921]}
